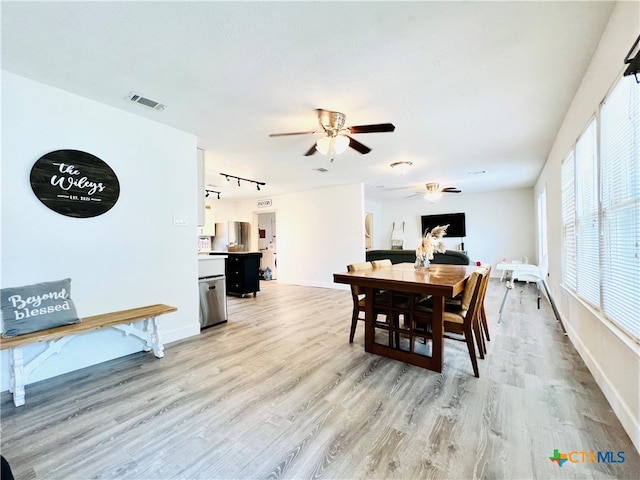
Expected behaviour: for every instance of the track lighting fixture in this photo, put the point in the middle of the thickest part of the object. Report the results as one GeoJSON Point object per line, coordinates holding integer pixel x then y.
{"type": "Point", "coordinates": [207, 192]}
{"type": "Point", "coordinates": [634, 63]}
{"type": "Point", "coordinates": [229, 177]}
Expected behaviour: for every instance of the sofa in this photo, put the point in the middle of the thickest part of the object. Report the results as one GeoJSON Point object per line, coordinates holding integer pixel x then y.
{"type": "Point", "coordinates": [451, 257]}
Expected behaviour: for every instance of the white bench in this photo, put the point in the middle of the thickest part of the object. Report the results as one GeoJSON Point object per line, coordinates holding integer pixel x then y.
{"type": "Point", "coordinates": [58, 337]}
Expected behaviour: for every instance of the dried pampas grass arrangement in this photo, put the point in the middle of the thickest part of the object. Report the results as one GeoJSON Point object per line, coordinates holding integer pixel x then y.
{"type": "Point", "coordinates": [431, 243]}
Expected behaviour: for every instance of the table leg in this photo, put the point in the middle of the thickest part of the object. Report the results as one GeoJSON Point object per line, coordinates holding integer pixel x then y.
{"type": "Point", "coordinates": [369, 320]}
{"type": "Point", "coordinates": [437, 328]}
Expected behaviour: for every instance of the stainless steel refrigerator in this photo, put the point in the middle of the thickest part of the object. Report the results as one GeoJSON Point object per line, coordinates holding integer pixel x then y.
{"type": "Point", "coordinates": [232, 237]}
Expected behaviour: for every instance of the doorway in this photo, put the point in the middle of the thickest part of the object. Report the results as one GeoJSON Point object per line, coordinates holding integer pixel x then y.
{"type": "Point", "coordinates": [267, 244]}
{"type": "Point", "coordinates": [368, 231]}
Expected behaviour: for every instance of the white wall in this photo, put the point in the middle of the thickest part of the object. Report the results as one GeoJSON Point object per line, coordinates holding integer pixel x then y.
{"type": "Point", "coordinates": [320, 232]}
{"type": "Point", "coordinates": [499, 224]}
{"type": "Point", "coordinates": [326, 226]}
{"type": "Point", "coordinates": [612, 358]}
{"type": "Point", "coordinates": [130, 256]}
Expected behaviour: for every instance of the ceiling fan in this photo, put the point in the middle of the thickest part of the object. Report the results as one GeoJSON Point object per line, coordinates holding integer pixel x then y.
{"type": "Point", "coordinates": [337, 137]}
{"type": "Point", "coordinates": [434, 191]}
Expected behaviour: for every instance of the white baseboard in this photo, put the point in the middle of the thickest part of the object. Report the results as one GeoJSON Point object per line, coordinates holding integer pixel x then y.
{"type": "Point", "coordinates": [175, 334]}
{"type": "Point", "coordinates": [629, 422]}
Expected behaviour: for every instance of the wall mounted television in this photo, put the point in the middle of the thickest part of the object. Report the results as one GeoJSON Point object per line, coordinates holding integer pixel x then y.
{"type": "Point", "coordinates": [456, 222]}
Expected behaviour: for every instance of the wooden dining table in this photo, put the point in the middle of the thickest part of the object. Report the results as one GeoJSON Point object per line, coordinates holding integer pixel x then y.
{"type": "Point", "coordinates": [405, 286]}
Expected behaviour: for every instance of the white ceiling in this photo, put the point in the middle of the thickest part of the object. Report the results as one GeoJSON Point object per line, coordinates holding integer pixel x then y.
{"type": "Point", "coordinates": [470, 86]}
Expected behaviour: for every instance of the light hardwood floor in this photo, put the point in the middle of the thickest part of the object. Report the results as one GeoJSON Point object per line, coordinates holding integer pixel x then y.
{"type": "Point", "coordinates": [278, 392]}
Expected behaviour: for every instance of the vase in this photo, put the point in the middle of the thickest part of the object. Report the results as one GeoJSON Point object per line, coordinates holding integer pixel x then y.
{"type": "Point", "coordinates": [422, 263]}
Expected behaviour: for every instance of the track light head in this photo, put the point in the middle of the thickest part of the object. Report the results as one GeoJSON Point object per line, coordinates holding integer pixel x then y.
{"type": "Point", "coordinates": [209, 192]}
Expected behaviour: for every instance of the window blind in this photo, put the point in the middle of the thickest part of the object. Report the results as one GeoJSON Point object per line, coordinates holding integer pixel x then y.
{"type": "Point", "coordinates": [568, 221]}
{"type": "Point", "coordinates": [620, 203]}
{"type": "Point", "coordinates": [587, 224]}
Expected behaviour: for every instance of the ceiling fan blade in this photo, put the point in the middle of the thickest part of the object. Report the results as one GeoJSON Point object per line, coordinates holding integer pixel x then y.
{"type": "Point", "coordinates": [292, 133]}
{"type": "Point", "coordinates": [374, 128]}
{"type": "Point", "coordinates": [451, 190]}
{"type": "Point", "coordinates": [356, 145]}
{"type": "Point", "coordinates": [415, 195]}
{"type": "Point", "coordinates": [311, 151]}
{"type": "Point", "coordinates": [406, 187]}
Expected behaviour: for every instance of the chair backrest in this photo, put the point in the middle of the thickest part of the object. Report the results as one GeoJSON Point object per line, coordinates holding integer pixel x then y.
{"type": "Point", "coordinates": [474, 284]}
{"type": "Point", "coordinates": [357, 267]}
{"type": "Point", "coordinates": [382, 263]}
{"type": "Point", "coordinates": [486, 268]}
{"type": "Point", "coordinates": [470, 288]}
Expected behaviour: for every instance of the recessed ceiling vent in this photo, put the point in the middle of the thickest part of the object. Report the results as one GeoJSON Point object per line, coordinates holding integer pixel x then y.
{"type": "Point", "coordinates": [147, 102]}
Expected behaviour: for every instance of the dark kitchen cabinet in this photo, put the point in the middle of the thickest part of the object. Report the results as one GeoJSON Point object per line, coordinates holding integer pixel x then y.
{"type": "Point", "coordinates": [242, 271]}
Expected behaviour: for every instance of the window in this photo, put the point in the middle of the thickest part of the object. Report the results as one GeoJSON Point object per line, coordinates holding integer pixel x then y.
{"type": "Point", "coordinates": [588, 246]}
{"type": "Point", "coordinates": [620, 198]}
{"type": "Point", "coordinates": [542, 225]}
{"type": "Point", "coordinates": [600, 181]}
{"type": "Point", "coordinates": [568, 221]}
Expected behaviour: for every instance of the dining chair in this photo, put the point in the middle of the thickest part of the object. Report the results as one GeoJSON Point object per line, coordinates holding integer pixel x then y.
{"type": "Point", "coordinates": [400, 300]}
{"type": "Point", "coordinates": [482, 314]}
{"type": "Point", "coordinates": [455, 304]}
{"type": "Point", "coordinates": [459, 324]}
{"type": "Point", "coordinates": [480, 326]}
{"type": "Point", "coordinates": [391, 306]}
{"type": "Point", "coordinates": [358, 297]}
{"type": "Point", "coordinates": [386, 262]}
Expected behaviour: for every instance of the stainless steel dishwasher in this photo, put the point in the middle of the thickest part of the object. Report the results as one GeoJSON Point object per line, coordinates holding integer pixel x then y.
{"type": "Point", "coordinates": [213, 300]}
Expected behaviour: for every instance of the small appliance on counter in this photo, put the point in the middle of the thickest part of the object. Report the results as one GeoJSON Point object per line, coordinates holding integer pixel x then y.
{"type": "Point", "coordinates": [232, 237]}
{"type": "Point", "coordinates": [204, 244]}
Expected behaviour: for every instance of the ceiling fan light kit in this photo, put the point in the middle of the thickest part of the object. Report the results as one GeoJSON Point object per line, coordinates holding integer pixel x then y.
{"type": "Point", "coordinates": [434, 191]}
{"type": "Point", "coordinates": [332, 145]}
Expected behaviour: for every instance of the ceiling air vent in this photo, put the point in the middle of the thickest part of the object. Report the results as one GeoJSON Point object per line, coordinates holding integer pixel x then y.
{"type": "Point", "coordinates": [147, 102]}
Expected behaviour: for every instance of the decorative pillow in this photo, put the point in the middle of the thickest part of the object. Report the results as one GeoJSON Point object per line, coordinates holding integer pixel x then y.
{"type": "Point", "coordinates": [37, 307]}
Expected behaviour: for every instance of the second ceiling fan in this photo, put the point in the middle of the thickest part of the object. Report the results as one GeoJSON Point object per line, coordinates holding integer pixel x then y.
{"type": "Point", "coordinates": [337, 137]}
{"type": "Point", "coordinates": [434, 191]}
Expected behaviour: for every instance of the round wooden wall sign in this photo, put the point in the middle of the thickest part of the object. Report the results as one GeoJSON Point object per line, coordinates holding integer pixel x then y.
{"type": "Point", "coordinates": [75, 183]}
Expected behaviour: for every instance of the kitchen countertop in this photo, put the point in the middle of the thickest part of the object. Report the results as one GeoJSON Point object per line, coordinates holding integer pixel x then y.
{"type": "Point", "coordinates": [236, 253]}
{"type": "Point", "coordinates": [211, 266]}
